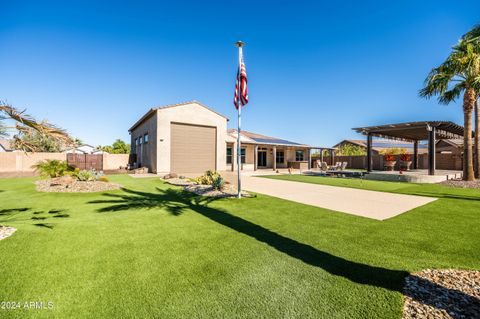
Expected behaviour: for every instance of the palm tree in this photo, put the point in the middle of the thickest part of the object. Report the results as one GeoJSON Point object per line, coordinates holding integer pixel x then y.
{"type": "Point", "coordinates": [473, 36]}
{"type": "Point", "coordinates": [25, 124]}
{"type": "Point", "coordinates": [476, 162]}
{"type": "Point", "coordinates": [460, 73]}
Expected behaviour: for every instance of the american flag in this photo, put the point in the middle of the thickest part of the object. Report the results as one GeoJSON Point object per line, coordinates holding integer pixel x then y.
{"type": "Point", "coordinates": [241, 90]}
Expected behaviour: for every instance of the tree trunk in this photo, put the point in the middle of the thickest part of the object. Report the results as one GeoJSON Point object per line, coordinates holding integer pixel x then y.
{"type": "Point", "coordinates": [468, 105]}
{"type": "Point", "coordinates": [476, 164]}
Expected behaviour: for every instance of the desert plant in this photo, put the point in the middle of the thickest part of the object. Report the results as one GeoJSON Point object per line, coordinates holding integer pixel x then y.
{"type": "Point", "coordinates": [103, 178]}
{"type": "Point", "coordinates": [208, 178]}
{"type": "Point", "coordinates": [389, 157]}
{"type": "Point", "coordinates": [86, 176]}
{"type": "Point", "coordinates": [218, 183]}
{"type": "Point", "coordinates": [52, 168]}
{"type": "Point", "coordinates": [405, 157]}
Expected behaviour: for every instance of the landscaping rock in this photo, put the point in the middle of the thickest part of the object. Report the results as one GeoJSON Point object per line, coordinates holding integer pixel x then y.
{"type": "Point", "coordinates": [63, 180]}
{"type": "Point", "coordinates": [75, 186]}
{"type": "Point", "coordinates": [444, 293]}
{"type": "Point", "coordinates": [171, 175]}
{"type": "Point", "coordinates": [207, 190]}
{"type": "Point", "coordinates": [6, 232]}
{"type": "Point", "coordinates": [461, 183]}
{"type": "Point", "coordinates": [180, 182]}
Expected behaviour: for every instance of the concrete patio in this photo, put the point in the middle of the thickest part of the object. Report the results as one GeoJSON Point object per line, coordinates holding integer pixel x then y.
{"type": "Point", "coordinates": [370, 204]}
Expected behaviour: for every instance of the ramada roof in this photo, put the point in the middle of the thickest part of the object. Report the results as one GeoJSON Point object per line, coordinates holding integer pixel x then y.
{"type": "Point", "coordinates": [254, 138]}
{"type": "Point", "coordinates": [413, 131]}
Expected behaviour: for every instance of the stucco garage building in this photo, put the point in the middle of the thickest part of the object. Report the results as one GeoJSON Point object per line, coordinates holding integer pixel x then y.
{"type": "Point", "coordinates": [192, 138]}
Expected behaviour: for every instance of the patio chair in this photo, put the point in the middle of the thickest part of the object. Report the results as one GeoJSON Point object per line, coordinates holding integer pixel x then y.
{"type": "Point", "coordinates": [344, 166]}
{"type": "Point", "coordinates": [324, 166]}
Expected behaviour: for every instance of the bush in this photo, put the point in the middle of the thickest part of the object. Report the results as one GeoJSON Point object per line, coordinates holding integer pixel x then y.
{"type": "Point", "coordinates": [86, 176]}
{"type": "Point", "coordinates": [103, 179]}
{"type": "Point", "coordinates": [405, 158]}
{"type": "Point", "coordinates": [211, 178]}
{"type": "Point", "coordinates": [208, 178]}
{"type": "Point", "coordinates": [52, 168]}
{"type": "Point", "coordinates": [218, 183]}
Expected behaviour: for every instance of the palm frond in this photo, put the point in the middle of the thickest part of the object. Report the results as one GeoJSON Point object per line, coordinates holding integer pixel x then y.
{"type": "Point", "coordinates": [25, 123]}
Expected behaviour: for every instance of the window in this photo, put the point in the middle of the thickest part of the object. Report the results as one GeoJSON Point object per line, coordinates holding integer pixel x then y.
{"type": "Point", "coordinates": [145, 138]}
{"type": "Point", "coordinates": [140, 140]}
{"type": "Point", "coordinates": [280, 157]}
{"type": "Point", "coordinates": [229, 155]}
{"type": "Point", "coordinates": [299, 155]}
{"type": "Point", "coordinates": [136, 141]}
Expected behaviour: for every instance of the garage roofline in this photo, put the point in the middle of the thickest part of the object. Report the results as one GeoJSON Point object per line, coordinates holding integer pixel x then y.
{"type": "Point", "coordinates": [154, 109]}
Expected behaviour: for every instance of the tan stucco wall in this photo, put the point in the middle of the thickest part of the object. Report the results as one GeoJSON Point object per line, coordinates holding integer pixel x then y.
{"type": "Point", "coordinates": [23, 162]}
{"type": "Point", "coordinates": [189, 114]}
{"type": "Point", "coordinates": [114, 161]}
{"type": "Point", "coordinates": [148, 156]}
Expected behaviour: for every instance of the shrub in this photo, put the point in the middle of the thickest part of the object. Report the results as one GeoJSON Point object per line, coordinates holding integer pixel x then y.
{"type": "Point", "coordinates": [86, 176]}
{"type": "Point", "coordinates": [208, 178]}
{"type": "Point", "coordinates": [218, 183]}
{"type": "Point", "coordinates": [405, 158]}
{"type": "Point", "coordinates": [389, 157]}
{"type": "Point", "coordinates": [52, 168]}
{"type": "Point", "coordinates": [103, 179]}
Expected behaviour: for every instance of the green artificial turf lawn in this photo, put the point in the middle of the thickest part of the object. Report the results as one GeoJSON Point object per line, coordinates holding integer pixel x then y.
{"type": "Point", "coordinates": [151, 250]}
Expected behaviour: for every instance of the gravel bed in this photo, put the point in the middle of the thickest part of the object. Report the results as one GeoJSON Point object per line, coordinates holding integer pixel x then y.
{"type": "Point", "coordinates": [207, 190]}
{"type": "Point", "coordinates": [461, 183]}
{"type": "Point", "coordinates": [442, 293]}
{"type": "Point", "coordinates": [180, 181]}
{"type": "Point", "coordinates": [76, 187]}
{"type": "Point", "coordinates": [6, 232]}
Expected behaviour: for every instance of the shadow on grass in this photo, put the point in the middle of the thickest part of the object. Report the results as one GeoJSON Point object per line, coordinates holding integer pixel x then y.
{"type": "Point", "coordinates": [13, 215]}
{"type": "Point", "coordinates": [177, 201]}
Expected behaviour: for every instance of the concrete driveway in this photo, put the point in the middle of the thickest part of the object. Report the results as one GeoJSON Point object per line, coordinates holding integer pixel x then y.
{"type": "Point", "coordinates": [371, 204]}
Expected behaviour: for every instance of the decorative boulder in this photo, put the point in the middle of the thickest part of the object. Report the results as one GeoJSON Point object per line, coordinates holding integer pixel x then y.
{"type": "Point", "coordinates": [62, 181]}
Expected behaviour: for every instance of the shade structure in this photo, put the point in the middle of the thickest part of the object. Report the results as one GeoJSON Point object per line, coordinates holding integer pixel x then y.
{"type": "Point", "coordinates": [412, 132]}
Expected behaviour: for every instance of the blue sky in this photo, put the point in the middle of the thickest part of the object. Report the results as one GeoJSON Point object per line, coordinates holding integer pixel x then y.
{"type": "Point", "coordinates": [315, 68]}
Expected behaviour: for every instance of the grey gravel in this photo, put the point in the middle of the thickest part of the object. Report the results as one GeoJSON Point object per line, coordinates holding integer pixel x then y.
{"type": "Point", "coordinates": [76, 187]}
{"type": "Point", "coordinates": [461, 183]}
{"type": "Point", "coordinates": [442, 293]}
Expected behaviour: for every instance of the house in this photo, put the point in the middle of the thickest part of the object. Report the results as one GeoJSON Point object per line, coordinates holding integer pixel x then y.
{"type": "Point", "coordinates": [5, 145]}
{"type": "Point", "coordinates": [381, 145]}
{"type": "Point", "coordinates": [192, 138]}
{"type": "Point", "coordinates": [450, 146]}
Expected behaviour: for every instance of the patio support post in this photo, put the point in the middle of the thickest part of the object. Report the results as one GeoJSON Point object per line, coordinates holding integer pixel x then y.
{"type": "Point", "coordinates": [369, 152]}
{"type": "Point", "coordinates": [321, 155]}
{"type": "Point", "coordinates": [332, 157]}
{"type": "Point", "coordinates": [415, 155]}
{"type": "Point", "coordinates": [274, 158]}
{"type": "Point", "coordinates": [309, 158]}
{"type": "Point", "coordinates": [255, 158]}
{"type": "Point", "coordinates": [431, 151]}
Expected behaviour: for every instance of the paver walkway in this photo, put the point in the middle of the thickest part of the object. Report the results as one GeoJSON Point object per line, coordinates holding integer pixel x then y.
{"type": "Point", "coordinates": [371, 204]}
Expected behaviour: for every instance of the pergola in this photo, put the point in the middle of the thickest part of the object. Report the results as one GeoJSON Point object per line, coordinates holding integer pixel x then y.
{"type": "Point", "coordinates": [412, 132]}
{"type": "Point", "coordinates": [330, 150]}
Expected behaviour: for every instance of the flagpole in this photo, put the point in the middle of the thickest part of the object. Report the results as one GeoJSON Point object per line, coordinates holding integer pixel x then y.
{"type": "Point", "coordinates": [239, 44]}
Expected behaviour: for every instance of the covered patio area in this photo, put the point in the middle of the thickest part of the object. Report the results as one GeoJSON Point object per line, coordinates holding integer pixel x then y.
{"type": "Point", "coordinates": [265, 152]}
{"type": "Point", "coordinates": [413, 132]}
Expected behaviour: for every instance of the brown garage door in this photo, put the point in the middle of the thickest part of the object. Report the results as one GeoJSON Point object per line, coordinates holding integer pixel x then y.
{"type": "Point", "coordinates": [193, 148]}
